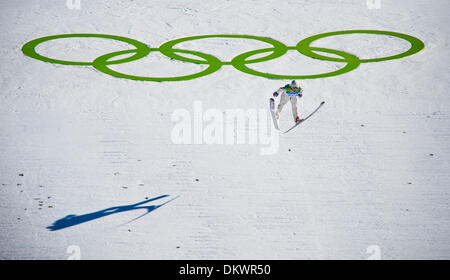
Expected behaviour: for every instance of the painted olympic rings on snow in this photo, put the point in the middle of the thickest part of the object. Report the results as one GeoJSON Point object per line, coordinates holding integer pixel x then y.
{"type": "Point", "coordinates": [239, 62]}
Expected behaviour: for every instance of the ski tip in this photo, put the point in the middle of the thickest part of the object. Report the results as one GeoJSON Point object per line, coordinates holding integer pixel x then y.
{"type": "Point", "coordinates": [323, 102]}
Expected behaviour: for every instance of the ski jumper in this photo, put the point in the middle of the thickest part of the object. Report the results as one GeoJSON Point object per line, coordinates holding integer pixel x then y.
{"type": "Point", "coordinates": [287, 94]}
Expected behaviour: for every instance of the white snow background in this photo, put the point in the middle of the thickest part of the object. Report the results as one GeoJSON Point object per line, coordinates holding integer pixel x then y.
{"type": "Point", "coordinates": [371, 168]}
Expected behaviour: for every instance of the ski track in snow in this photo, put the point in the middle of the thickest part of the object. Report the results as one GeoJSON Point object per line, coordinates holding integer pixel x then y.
{"type": "Point", "coordinates": [371, 168]}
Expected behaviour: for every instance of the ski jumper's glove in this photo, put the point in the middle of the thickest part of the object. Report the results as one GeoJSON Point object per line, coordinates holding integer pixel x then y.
{"type": "Point", "coordinates": [275, 94]}
{"type": "Point", "coordinates": [300, 94]}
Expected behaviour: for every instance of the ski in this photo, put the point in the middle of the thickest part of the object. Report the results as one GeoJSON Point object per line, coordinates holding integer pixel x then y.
{"type": "Point", "coordinates": [272, 112]}
{"type": "Point", "coordinates": [317, 109]}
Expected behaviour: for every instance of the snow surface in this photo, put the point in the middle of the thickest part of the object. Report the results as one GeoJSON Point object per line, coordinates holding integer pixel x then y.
{"type": "Point", "coordinates": [371, 168]}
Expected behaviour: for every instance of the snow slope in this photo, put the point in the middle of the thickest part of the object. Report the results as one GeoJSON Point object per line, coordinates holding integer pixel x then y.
{"type": "Point", "coordinates": [371, 168]}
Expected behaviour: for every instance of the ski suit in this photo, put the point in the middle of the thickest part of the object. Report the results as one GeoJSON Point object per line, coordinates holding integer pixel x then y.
{"type": "Point", "coordinates": [286, 95]}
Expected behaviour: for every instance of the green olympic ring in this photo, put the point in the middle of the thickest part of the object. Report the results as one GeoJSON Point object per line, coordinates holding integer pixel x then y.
{"type": "Point", "coordinates": [278, 48]}
{"type": "Point", "coordinates": [101, 62]}
{"type": "Point", "coordinates": [214, 64]}
{"type": "Point", "coordinates": [29, 48]}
